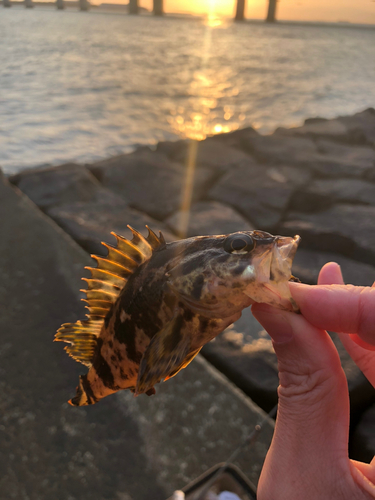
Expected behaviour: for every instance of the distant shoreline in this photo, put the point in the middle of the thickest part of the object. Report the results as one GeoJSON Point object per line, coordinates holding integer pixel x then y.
{"type": "Point", "coordinates": [122, 8]}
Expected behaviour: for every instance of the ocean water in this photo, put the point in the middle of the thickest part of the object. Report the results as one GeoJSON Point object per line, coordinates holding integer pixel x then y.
{"type": "Point", "coordinates": [80, 86]}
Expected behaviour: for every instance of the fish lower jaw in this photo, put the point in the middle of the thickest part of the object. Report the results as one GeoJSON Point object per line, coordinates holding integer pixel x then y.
{"type": "Point", "coordinates": [274, 295]}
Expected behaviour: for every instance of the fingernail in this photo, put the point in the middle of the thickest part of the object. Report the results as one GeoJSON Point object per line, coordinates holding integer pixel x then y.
{"type": "Point", "coordinates": [330, 274]}
{"type": "Point", "coordinates": [274, 322]}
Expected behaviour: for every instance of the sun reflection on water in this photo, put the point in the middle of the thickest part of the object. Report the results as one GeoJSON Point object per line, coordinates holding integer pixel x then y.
{"type": "Point", "coordinates": [211, 108]}
{"type": "Point", "coordinates": [214, 21]}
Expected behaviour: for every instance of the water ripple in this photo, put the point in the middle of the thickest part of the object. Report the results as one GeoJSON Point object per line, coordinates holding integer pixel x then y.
{"type": "Point", "coordinates": [82, 86]}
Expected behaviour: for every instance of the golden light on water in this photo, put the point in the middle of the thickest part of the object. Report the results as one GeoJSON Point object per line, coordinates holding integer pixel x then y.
{"type": "Point", "coordinates": [213, 20]}
{"type": "Point", "coordinates": [210, 109]}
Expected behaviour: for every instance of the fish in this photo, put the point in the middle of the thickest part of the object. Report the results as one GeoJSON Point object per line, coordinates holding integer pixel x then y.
{"type": "Point", "coordinates": [153, 305]}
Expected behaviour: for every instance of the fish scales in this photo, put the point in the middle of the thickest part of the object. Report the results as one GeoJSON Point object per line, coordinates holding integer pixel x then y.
{"type": "Point", "coordinates": [176, 298]}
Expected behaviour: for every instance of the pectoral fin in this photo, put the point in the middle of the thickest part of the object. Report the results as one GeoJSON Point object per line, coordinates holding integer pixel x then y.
{"type": "Point", "coordinates": [165, 354]}
{"type": "Point", "coordinates": [189, 358]}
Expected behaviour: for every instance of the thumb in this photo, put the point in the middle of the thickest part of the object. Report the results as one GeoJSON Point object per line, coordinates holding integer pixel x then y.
{"type": "Point", "coordinates": [312, 424]}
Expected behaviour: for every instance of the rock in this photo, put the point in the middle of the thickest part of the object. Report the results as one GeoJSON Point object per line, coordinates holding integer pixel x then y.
{"type": "Point", "coordinates": [209, 217]}
{"type": "Point", "coordinates": [345, 229]}
{"type": "Point", "coordinates": [361, 126]}
{"type": "Point", "coordinates": [354, 129]}
{"type": "Point", "coordinates": [213, 153]}
{"type": "Point", "coordinates": [53, 186]}
{"type": "Point", "coordinates": [90, 223]}
{"type": "Point", "coordinates": [331, 166]}
{"type": "Point", "coordinates": [236, 139]}
{"type": "Point", "coordinates": [350, 161]}
{"type": "Point", "coordinates": [308, 263]}
{"type": "Point", "coordinates": [357, 155]}
{"type": "Point", "coordinates": [325, 158]}
{"type": "Point", "coordinates": [150, 182]}
{"type": "Point", "coordinates": [260, 193]}
{"type": "Point", "coordinates": [172, 148]}
{"type": "Point", "coordinates": [244, 353]}
{"type": "Point", "coordinates": [283, 150]}
{"type": "Point", "coordinates": [49, 450]}
{"type": "Point", "coordinates": [321, 194]}
{"type": "Point", "coordinates": [363, 439]}
{"type": "Point", "coordinates": [317, 127]}
{"type": "Point", "coordinates": [370, 175]}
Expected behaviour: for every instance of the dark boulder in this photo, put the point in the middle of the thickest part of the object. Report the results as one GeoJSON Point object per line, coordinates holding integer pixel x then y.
{"type": "Point", "coordinates": [308, 263]}
{"type": "Point", "coordinates": [345, 229]}
{"type": "Point", "coordinates": [353, 129]}
{"type": "Point", "coordinates": [283, 150]}
{"type": "Point", "coordinates": [361, 126]}
{"type": "Point", "coordinates": [209, 217]}
{"type": "Point", "coordinates": [150, 182]}
{"type": "Point", "coordinates": [48, 187]}
{"type": "Point", "coordinates": [344, 160]}
{"type": "Point", "coordinates": [260, 193]}
{"type": "Point", "coordinates": [316, 128]}
{"type": "Point", "coordinates": [323, 193]}
{"type": "Point", "coordinates": [236, 138]}
{"type": "Point", "coordinates": [213, 152]}
{"type": "Point", "coordinates": [90, 223]}
{"type": "Point", "coordinates": [363, 439]}
{"type": "Point", "coordinates": [172, 148]}
{"type": "Point", "coordinates": [244, 353]}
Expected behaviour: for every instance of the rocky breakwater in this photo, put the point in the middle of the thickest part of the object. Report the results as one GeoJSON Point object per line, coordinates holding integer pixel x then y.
{"type": "Point", "coordinates": [317, 180]}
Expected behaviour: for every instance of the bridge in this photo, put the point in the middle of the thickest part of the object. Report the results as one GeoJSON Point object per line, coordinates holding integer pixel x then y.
{"type": "Point", "coordinates": [158, 7]}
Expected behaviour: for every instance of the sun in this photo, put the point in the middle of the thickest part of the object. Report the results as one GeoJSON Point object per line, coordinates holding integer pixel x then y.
{"type": "Point", "coordinates": [216, 7]}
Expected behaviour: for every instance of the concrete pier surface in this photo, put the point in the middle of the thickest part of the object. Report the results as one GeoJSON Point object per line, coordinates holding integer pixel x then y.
{"type": "Point", "coordinates": [124, 448]}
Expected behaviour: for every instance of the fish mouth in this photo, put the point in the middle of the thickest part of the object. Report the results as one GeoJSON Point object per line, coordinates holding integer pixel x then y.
{"type": "Point", "coordinates": [283, 253]}
{"type": "Point", "coordinates": [275, 274]}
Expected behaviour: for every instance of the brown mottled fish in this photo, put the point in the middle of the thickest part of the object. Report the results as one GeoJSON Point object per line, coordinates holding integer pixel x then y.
{"type": "Point", "coordinates": [153, 305]}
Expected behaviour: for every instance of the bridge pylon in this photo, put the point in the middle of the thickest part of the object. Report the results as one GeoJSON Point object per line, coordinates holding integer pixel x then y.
{"type": "Point", "coordinates": [60, 4]}
{"type": "Point", "coordinates": [158, 9]}
{"type": "Point", "coordinates": [133, 7]}
{"type": "Point", "coordinates": [84, 5]}
{"type": "Point", "coordinates": [271, 16]}
{"type": "Point", "coordinates": [7, 3]}
{"type": "Point", "coordinates": [240, 10]}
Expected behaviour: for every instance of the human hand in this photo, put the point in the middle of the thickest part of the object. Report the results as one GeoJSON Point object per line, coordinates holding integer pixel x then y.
{"type": "Point", "coordinates": [308, 458]}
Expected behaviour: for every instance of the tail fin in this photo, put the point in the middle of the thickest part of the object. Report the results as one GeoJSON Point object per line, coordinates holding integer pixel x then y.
{"type": "Point", "coordinates": [85, 395]}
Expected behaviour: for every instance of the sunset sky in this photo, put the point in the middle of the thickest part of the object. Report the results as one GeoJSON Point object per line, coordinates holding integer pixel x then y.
{"type": "Point", "coordinates": [358, 11]}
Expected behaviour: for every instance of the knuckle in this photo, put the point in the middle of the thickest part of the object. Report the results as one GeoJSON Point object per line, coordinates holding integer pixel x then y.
{"type": "Point", "coordinates": [366, 312]}
{"type": "Point", "coordinates": [306, 385]}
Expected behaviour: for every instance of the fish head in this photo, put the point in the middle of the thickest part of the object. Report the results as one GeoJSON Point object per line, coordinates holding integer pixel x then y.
{"type": "Point", "coordinates": [247, 266]}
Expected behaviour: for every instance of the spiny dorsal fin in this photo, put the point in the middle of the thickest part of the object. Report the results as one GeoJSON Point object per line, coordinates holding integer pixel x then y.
{"type": "Point", "coordinates": [104, 286]}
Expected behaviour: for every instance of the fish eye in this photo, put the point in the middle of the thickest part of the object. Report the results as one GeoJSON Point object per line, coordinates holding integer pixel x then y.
{"type": "Point", "coordinates": [239, 244]}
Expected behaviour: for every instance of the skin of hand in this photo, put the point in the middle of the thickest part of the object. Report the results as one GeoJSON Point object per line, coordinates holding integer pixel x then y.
{"type": "Point", "coordinates": [308, 458]}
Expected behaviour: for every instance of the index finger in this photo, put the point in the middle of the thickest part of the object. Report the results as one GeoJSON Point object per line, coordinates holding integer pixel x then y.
{"type": "Point", "coordinates": [339, 308]}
